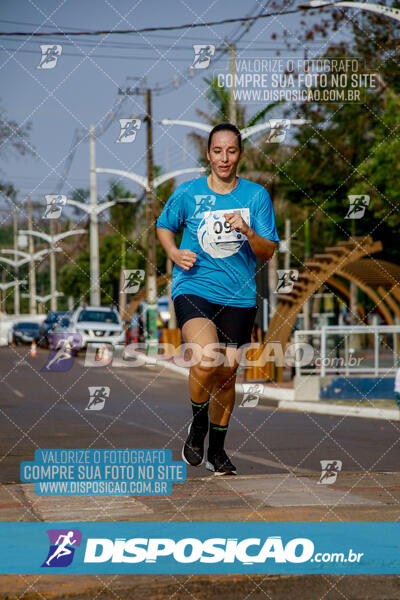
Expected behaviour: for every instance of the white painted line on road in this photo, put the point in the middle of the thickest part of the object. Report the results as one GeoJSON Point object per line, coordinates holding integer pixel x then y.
{"type": "Point", "coordinates": [14, 390]}
{"type": "Point", "coordinates": [134, 424]}
{"type": "Point", "coordinates": [388, 414]}
{"type": "Point", "coordinates": [270, 463]}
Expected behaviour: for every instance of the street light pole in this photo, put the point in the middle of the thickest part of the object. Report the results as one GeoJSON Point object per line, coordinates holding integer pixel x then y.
{"type": "Point", "coordinates": [27, 257]}
{"type": "Point", "coordinates": [232, 101]}
{"type": "Point", "coordinates": [53, 270]}
{"type": "Point", "coordinates": [16, 289]}
{"type": "Point", "coordinates": [151, 279]}
{"type": "Point", "coordinates": [32, 274]}
{"type": "Point", "coordinates": [52, 240]}
{"type": "Point", "coordinates": [94, 227]}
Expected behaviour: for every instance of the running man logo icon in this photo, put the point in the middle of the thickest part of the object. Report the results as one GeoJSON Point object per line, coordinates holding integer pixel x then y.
{"type": "Point", "coordinates": [202, 55]}
{"type": "Point", "coordinates": [97, 397]}
{"type": "Point", "coordinates": [357, 207]}
{"type": "Point", "coordinates": [50, 56]}
{"type": "Point", "coordinates": [62, 359]}
{"type": "Point", "coordinates": [55, 204]}
{"type": "Point", "coordinates": [278, 131]}
{"type": "Point", "coordinates": [203, 204]}
{"type": "Point", "coordinates": [251, 394]}
{"type": "Point", "coordinates": [129, 128]}
{"type": "Point", "coordinates": [330, 470]}
{"type": "Point", "coordinates": [132, 280]}
{"type": "Point", "coordinates": [62, 547]}
{"type": "Point", "coordinates": [286, 280]}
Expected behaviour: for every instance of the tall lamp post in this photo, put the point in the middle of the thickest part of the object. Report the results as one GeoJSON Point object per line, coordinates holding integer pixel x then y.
{"type": "Point", "coordinates": [93, 210]}
{"type": "Point", "coordinates": [6, 286]}
{"type": "Point", "coordinates": [43, 299]}
{"type": "Point", "coordinates": [27, 257]}
{"type": "Point", "coordinates": [52, 240]}
{"type": "Point", "coordinates": [387, 11]}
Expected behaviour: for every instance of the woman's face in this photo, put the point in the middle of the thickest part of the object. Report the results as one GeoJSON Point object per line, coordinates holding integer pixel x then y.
{"type": "Point", "coordinates": [224, 154]}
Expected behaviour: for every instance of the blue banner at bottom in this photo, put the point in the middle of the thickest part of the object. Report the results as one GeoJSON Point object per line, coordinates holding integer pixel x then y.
{"type": "Point", "coordinates": [199, 548]}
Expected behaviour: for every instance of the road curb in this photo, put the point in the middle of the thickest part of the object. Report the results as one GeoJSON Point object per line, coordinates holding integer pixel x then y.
{"type": "Point", "coordinates": [338, 410]}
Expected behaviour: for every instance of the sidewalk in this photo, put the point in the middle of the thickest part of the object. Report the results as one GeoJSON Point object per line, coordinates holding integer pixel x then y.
{"type": "Point", "coordinates": [281, 396]}
{"type": "Point", "coordinates": [281, 497]}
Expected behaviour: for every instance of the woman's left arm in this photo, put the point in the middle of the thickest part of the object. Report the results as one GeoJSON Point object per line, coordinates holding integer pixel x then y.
{"type": "Point", "coordinates": [261, 246]}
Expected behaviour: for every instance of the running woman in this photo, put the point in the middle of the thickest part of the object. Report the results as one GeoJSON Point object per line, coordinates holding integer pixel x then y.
{"type": "Point", "coordinates": [228, 222]}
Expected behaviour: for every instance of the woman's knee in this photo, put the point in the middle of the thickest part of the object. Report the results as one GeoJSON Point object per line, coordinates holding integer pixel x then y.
{"type": "Point", "coordinates": [225, 377]}
{"type": "Point", "coordinates": [203, 371]}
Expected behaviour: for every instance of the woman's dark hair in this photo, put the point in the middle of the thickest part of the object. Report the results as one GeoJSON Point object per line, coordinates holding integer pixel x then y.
{"type": "Point", "coordinates": [225, 127]}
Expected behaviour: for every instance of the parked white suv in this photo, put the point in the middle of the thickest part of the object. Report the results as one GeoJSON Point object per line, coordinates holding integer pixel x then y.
{"type": "Point", "coordinates": [97, 324]}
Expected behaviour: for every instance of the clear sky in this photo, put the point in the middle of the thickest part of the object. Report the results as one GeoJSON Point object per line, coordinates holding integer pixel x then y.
{"type": "Point", "coordinates": [83, 87]}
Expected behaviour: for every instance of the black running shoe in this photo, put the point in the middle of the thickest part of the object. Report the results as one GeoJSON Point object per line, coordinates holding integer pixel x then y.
{"type": "Point", "coordinates": [220, 463]}
{"type": "Point", "coordinates": [193, 449]}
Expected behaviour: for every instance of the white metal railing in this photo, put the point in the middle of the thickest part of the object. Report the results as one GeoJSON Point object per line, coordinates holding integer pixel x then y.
{"type": "Point", "coordinates": [357, 355]}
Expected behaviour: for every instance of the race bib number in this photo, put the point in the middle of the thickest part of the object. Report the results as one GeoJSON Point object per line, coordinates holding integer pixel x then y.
{"type": "Point", "coordinates": [220, 230]}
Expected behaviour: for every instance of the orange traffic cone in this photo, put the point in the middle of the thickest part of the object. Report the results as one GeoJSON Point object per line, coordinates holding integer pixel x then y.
{"type": "Point", "coordinates": [106, 354]}
{"type": "Point", "coordinates": [103, 354]}
{"type": "Point", "coordinates": [99, 354]}
{"type": "Point", "coordinates": [33, 351]}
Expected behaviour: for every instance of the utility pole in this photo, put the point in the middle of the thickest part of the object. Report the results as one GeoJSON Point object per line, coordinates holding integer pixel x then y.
{"type": "Point", "coordinates": [287, 239]}
{"type": "Point", "coordinates": [172, 315]}
{"type": "Point", "coordinates": [94, 226]}
{"type": "Point", "coordinates": [32, 274]}
{"type": "Point", "coordinates": [232, 101]}
{"type": "Point", "coordinates": [53, 269]}
{"type": "Point", "coordinates": [151, 275]}
{"type": "Point", "coordinates": [307, 305]}
{"type": "Point", "coordinates": [16, 288]}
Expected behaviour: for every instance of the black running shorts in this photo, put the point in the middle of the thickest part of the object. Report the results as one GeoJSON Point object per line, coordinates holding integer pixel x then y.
{"type": "Point", "coordinates": [234, 323]}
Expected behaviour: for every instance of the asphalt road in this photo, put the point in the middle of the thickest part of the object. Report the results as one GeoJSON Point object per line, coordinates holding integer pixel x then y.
{"type": "Point", "coordinates": [277, 454]}
{"type": "Point", "coordinates": [148, 407]}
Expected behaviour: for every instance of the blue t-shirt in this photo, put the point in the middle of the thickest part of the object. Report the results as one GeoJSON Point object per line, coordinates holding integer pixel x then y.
{"type": "Point", "coordinates": [225, 263]}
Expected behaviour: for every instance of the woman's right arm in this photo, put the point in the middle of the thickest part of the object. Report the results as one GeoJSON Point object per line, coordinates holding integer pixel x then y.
{"type": "Point", "coordinates": [183, 258]}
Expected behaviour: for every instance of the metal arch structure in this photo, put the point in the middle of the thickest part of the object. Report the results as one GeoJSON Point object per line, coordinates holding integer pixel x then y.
{"type": "Point", "coordinates": [371, 293]}
{"type": "Point", "coordinates": [344, 292]}
{"type": "Point", "coordinates": [380, 280]}
{"type": "Point", "coordinates": [317, 270]}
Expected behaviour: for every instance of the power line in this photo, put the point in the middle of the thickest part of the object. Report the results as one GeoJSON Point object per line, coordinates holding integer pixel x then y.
{"type": "Point", "coordinates": [137, 58]}
{"type": "Point", "coordinates": [149, 29]}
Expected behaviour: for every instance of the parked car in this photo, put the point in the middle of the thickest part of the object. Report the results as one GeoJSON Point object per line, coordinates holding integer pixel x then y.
{"type": "Point", "coordinates": [51, 320]}
{"type": "Point", "coordinates": [61, 334]}
{"type": "Point", "coordinates": [25, 333]}
{"type": "Point", "coordinates": [96, 324]}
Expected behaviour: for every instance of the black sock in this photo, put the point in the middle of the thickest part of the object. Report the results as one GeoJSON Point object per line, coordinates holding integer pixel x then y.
{"type": "Point", "coordinates": [200, 414]}
{"type": "Point", "coordinates": [216, 438]}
